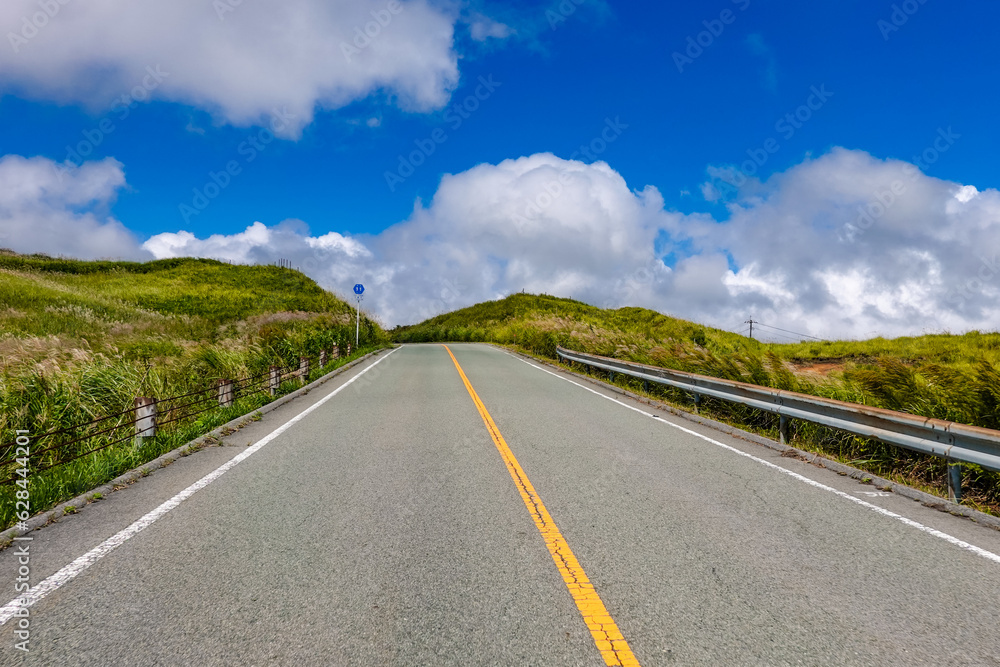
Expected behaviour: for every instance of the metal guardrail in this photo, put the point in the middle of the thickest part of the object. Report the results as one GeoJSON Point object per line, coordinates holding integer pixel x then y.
{"type": "Point", "coordinates": [949, 440]}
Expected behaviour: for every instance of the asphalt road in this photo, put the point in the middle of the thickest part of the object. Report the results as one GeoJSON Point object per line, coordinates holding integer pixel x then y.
{"type": "Point", "coordinates": [385, 527]}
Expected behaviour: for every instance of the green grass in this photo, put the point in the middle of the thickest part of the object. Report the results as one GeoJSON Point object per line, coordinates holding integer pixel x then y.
{"type": "Point", "coordinates": [955, 378]}
{"type": "Point", "coordinates": [80, 340]}
{"type": "Point", "coordinates": [76, 477]}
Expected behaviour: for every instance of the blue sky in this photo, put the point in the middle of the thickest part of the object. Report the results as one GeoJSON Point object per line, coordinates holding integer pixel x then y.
{"type": "Point", "coordinates": [672, 98]}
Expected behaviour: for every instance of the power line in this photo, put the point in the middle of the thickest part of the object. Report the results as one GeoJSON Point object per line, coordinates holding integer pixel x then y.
{"type": "Point", "coordinates": [771, 333]}
{"type": "Point", "coordinates": [794, 333]}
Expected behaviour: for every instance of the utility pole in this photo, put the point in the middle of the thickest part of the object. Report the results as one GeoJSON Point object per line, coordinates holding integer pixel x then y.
{"type": "Point", "coordinates": [751, 323]}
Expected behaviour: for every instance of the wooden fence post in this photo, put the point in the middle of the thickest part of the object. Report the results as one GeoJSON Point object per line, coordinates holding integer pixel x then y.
{"type": "Point", "coordinates": [322, 359]}
{"type": "Point", "coordinates": [145, 419]}
{"type": "Point", "coordinates": [336, 352]}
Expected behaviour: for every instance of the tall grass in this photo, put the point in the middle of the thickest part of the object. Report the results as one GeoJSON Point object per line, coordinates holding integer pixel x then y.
{"type": "Point", "coordinates": [65, 481]}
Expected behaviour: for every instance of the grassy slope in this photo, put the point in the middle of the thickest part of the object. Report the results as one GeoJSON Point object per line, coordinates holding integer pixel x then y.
{"type": "Point", "coordinates": [540, 322]}
{"type": "Point", "coordinates": [613, 329]}
{"type": "Point", "coordinates": [71, 323]}
{"type": "Point", "coordinates": [116, 305]}
{"type": "Point", "coordinates": [943, 376]}
{"type": "Point", "coordinates": [80, 340]}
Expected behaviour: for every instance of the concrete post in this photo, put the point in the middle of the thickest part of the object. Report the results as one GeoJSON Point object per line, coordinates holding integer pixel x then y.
{"type": "Point", "coordinates": [322, 359]}
{"type": "Point", "coordinates": [348, 349]}
{"type": "Point", "coordinates": [274, 380]}
{"type": "Point", "coordinates": [336, 352]}
{"type": "Point", "coordinates": [225, 393]}
{"type": "Point", "coordinates": [145, 418]}
{"type": "Point", "coordinates": [304, 369]}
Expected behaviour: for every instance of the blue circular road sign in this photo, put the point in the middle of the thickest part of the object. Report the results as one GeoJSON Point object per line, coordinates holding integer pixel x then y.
{"type": "Point", "coordinates": [359, 288]}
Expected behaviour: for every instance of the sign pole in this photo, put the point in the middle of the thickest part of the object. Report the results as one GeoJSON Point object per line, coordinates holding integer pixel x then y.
{"type": "Point", "coordinates": [359, 289]}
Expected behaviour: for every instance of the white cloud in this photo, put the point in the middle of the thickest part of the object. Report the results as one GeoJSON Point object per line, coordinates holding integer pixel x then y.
{"type": "Point", "coordinates": [966, 193]}
{"type": "Point", "coordinates": [537, 223]}
{"type": "Point", "coordinates": [850, 245]}
{"type": "Point", "coordinates": [482, 28]}
{"type": "Point", "coordinates": [46, 207]}
{"type": "Point", "coordinates": [844, 245]}
{"type": "Point", "coordinates": [259, 244]}
{"type": "Point", "coordinates": [238, 60]}
{"type": "Point", "coordinates": [797, 251]}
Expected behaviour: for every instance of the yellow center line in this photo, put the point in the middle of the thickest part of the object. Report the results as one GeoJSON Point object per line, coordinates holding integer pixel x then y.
{"type": "Point", "coordinates": [607, 637]}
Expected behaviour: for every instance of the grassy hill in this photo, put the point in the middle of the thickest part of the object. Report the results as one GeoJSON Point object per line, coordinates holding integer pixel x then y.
{"type": "Point", "coordinates": [540, 322]}
{"type": "Point", "coordinates": [615, 330]}
{"type": "Point", "coordinates": [124, 307]}
{"type": "Point", "coordinates": [948, 377]}
{"type": "Point", "coordinates": [80, 340]}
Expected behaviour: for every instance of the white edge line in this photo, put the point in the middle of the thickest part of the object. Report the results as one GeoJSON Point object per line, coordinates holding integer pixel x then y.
{"type": "Point", "coordinates": [989, 555]}
{"type": "Point", "coordinates": [71, 571]}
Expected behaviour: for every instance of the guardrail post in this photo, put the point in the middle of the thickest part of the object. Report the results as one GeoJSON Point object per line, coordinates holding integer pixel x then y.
{"type": "Point", "coordinates": [225, 393]}
{"type": "Point", "coordinates": [645, 386]}
{"type": "Point", "coordinates": [954, 481]}
{"type": "Point", "coordinates": [145, 418]}
{"type": "Point", "coordinates": [697, 402]}
{"type": "Point", "coordinates": [611, 376]}
{"type": "Point", "coordinates": [304, 369]}
{"type": "Point", "coordinates": [783, 429]}
{"type": "Point", "coordinates": [322, 359]}
{"type": "Point", "coordinates": [274, 380]}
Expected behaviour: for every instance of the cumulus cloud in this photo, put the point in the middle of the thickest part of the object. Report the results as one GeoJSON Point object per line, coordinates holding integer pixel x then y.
{"type": "Point", "coordinates": [259, 244]}
{"type": "Point", "coordinates": [63, 210]}
{"type": "Point", "coordinates": [238, 60]}
{"type": "Point", "coordinates": [850, 245]}
{"type": "Point", "coordinates": [536, 223]}
{"type": "Point", "coordinates": [843, 245]}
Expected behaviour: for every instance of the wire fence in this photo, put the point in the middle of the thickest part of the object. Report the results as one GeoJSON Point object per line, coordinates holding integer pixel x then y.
{"type": "Point", "coordinates": [148, 417]}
